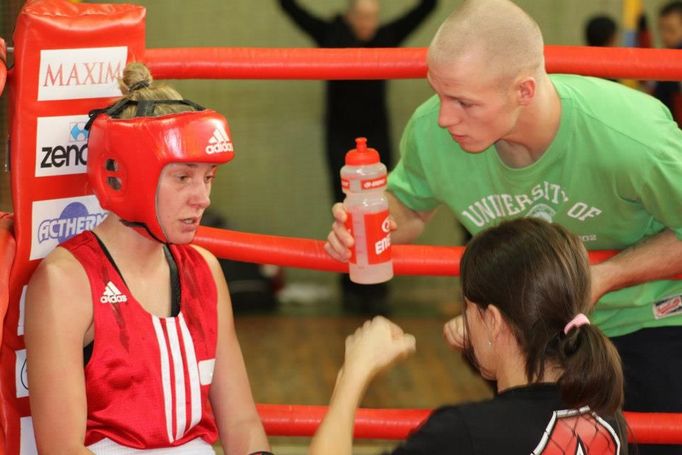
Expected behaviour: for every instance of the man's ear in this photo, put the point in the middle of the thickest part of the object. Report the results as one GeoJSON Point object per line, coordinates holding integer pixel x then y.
{"type": "Point", "coordinates": [525, 90]}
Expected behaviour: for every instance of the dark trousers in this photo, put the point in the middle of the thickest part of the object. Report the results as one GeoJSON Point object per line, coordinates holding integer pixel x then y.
{"type": "Point", "coordinates": [652, 366]}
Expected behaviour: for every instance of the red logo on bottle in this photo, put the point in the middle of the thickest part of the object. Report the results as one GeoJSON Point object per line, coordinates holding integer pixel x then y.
{"type": "Point", "coordinates": [373, 183]}
{"type": "Point", "coordinates": [378, 237]}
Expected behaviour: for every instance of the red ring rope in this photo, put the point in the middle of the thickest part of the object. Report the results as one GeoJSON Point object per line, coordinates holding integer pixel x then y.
{"type": "Point", "coordinates": [290, 420]}
{"type": "Point", "coordinates": [310, 254]}
{"type": "Point", "coordinates": [391, 63]}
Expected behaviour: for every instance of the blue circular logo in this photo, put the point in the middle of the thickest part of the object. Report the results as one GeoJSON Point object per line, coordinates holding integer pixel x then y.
{"type": "Point", "coordinates": [72, 211]}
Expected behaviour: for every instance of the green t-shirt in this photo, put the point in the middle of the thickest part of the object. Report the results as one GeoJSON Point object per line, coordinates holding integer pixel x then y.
{"type": "Point", "coordinates": [612, 175]}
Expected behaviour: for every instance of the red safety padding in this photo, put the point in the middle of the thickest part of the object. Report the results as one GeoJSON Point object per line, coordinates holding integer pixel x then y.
{"type": "Point", "coordinates": [8, 248]}
{"type": "Point", "coordinates": [616, 62]}
{"type": "Point", "coordinates": [392, 63]}
{"type": "Point", "coordinates": [310, 254]}
{"type": "Point", "coordinates": [7, 252]}
{"type": "Point", "coordinates": [3, 64]}
{"type": "Point", "coordinates": [307, 63]}
{"type": "Point", "coordinates": [654, 428]}
{"type": "Point", "coordinates": [294, 420]}
{"type": "Point", "coordinates": [67, 58]}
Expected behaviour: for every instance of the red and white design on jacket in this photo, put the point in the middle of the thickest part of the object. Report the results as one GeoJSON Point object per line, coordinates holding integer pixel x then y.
{"type": "Point", "coordinates": [578, 432]}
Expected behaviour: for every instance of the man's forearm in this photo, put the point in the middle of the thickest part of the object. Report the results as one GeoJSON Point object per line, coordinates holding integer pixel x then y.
{"type": "Point", "coordinates": [410, 224]}
{"type": "Point", "coordinates": [656, 258]}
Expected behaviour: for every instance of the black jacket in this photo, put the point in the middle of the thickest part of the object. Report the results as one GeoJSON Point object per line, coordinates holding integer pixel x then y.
{"type": "Point", "coordinates": [519, 421]}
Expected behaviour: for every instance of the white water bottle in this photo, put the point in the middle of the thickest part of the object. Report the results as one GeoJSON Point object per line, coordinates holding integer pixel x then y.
{"type": "Point", "coordinates": [363, 180]}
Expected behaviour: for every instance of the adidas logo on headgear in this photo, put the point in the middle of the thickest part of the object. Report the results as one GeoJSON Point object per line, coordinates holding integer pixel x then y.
{"type": "Point", "coordinates": [219, 142]}
{"type": "Point", "coordinates": [111, 294]}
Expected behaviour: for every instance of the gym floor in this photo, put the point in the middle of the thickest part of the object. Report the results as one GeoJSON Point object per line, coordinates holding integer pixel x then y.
{"type": "Point", "coordinates": [293, 355]}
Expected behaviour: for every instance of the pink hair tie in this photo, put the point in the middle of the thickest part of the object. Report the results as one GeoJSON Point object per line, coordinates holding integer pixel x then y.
{"type": "Point", "coordinates": [579, 320]}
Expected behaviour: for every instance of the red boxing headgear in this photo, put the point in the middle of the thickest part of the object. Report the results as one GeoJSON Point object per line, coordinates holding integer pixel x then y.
{"type": "Point", "coordinates": [126, 156]}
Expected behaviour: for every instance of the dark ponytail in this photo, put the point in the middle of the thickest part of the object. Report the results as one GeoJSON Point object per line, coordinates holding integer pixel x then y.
{"type": "Point", "coordinates": [593, 375]}
{"type": "Point", "coordinates": [538, 275]}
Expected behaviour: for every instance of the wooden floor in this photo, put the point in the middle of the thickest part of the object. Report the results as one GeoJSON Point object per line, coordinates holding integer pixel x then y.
{"type": "Point", "coordinates": [293, 355]}
{"type": "Point", "coordinates": [294, 360]}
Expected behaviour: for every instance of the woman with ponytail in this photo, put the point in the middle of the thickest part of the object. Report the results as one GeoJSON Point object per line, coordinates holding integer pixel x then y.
{"type": "Point", "coordinates": [526, 286]}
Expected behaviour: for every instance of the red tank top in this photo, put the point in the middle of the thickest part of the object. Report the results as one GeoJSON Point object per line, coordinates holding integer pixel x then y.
{"type": "Point", "coordinates": [148, 379]}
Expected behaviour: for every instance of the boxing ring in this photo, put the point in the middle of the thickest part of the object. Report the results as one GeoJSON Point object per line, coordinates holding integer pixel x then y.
{"type": "Point", "coordinates": [17, 258]}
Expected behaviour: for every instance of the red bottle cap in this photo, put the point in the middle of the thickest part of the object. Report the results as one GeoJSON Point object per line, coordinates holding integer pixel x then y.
{"type": "Point", "coordinates": [361, 154]}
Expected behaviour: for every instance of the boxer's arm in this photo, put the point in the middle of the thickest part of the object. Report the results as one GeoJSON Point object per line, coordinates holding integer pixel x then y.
{"type": "Point", "coordinates": [241, 430]}
{"type": "Point", "coordinates": [58, 316]}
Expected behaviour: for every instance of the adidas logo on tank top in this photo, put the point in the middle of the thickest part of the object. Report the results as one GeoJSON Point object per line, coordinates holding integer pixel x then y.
{"type": "Point", "coordinates": [111, 294]}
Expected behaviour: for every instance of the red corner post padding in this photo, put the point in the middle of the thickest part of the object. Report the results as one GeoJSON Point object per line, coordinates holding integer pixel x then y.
{"type": "Point", "coordinates": [7, 251]}
{"type": "Point", "coordinates": [67, 59]}
{"type": "Point", "coordinates": [3, 64]}
{"type": "Point", "coordinates": [8, 248]}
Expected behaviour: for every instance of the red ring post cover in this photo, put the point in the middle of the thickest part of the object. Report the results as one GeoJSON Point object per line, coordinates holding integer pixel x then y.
{"type": "Point", "coordinates": [3, 64]}
{"type": "Point", "coordinates": [67, 59]}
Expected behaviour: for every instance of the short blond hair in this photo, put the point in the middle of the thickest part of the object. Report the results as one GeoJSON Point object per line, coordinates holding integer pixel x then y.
{"type": "Point", "coordinates": [497, 31]}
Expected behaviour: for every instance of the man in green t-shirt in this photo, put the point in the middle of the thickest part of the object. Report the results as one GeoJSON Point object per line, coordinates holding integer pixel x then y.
{"type": "Point", "coordinates": [501, 139]}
